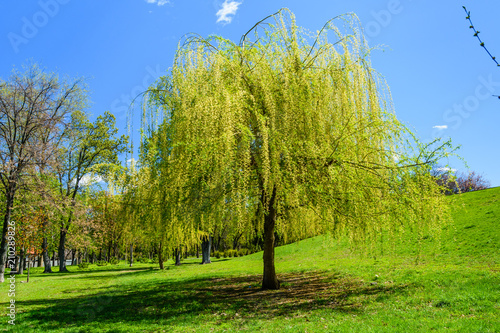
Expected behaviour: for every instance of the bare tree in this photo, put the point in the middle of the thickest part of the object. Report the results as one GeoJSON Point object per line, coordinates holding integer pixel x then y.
{"type": "Point", "coordinates": [454, 183]}
{"type": "Point", "coordinates": [34, 110]}
{"type": "Point", "coordinates": [472, 182]}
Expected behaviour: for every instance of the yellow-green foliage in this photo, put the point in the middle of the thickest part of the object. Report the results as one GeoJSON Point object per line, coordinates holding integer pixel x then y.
{"type": "Point", "coordinates": [305, 117]}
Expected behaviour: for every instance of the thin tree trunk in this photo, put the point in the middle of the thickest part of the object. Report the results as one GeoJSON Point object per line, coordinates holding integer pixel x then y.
{"type": "Point", "coordinates": [24, 260]}
{"type": "Point", "coordinates": [21, 263]}
{"type": "Point", "coordinates": [29, 264]}
{"type": "Point", "coordinates": [177, 254]}
{"type": "Point", "coordinates": [160, 256]}
{"type": "Point", "coordinates": [110, 245]}
{"type": "Point", "coordinates": [131, 254]}
{"type": "Point", "coordinates": [197, 251]}
{"type": "Point", "coordinates": [206, 245]}
{"type": "Point", "coordinates": [73, 252]}
{"type": "Point", "coordinates": [46, 260]}
{"type": "Point", "coordinates": [62, 254]}
{"type": "Point", "coordinates": [270, 280]}
{"type": "Point", "coordinates": [4, 244]}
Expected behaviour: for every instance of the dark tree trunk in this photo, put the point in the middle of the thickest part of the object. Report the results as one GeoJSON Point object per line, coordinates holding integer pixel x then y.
{"type": "Point", "coordinates": [73, 252]}
{"type": "Point", "coordinates": [197, 251]}
{"type": "Point", "coordinates": [270, 280]}
{"type": "Point", "coordinates": [21, 263]}
{"type": "Point", "coordinates": [29, 264]}
{"type": "Point", "coordinates": [62, 254]}
{"type": "Point", "coordinates": [54, 259]}
{"type": "Point", "coordinates": [6, 220]}
{"type": "Point", "coordinates": [46, 259]}
{"type": "Point", "coordinates": [236, 241]}
{"type": "Point", "coordinates": [177, 254]}
{"type": "Point", "coordinates": [206, 245]}
{"type": "Point", "coordinates": [24, 261]}
{"type": "Point", "coordinates": [160, 255]}
{"type": "Point", "coordinates": [131, 254]}
{"type": "Point", "coordinates": [109, 251]}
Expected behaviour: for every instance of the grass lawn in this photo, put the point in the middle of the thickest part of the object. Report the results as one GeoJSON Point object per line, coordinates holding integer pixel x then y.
{"type": "Point", "coordinates": [325, 288]}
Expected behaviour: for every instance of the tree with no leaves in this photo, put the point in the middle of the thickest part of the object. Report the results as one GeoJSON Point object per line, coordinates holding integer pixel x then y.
{"type": "Point", "coordinates": [34, 112]}
{"type": "Point", "coordinates": [284, 126]}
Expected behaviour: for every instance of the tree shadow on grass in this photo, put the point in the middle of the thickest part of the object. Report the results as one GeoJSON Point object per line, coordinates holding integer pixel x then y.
{"type": "Point", "coordinates": [75, 272]}
{"type": "Point", "coordinates": [213, 299]}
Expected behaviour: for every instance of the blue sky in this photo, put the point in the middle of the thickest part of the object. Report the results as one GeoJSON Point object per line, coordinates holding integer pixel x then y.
{"type": "Point", "coordinates": [437, 72]}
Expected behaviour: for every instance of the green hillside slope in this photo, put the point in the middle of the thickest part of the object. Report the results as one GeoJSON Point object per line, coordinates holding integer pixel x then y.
{"type": "Point", "coordinates": [476, 217]}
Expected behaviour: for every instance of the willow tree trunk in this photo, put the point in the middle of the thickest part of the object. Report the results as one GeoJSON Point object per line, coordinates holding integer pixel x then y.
{"type": "Point", "coordinates": [177, 254]}
{"type": "Point", "coordinates": [61, 251]}
{"type": "Point", "coordinates": [270, 280]}
{"type": "Point", "coordinates": [160, 256]}
{"type": "Point", "coordinates": [206, 244]}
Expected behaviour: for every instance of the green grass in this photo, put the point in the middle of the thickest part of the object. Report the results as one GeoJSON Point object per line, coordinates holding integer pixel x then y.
{"type": "Point", "coordinates": [325, 288]}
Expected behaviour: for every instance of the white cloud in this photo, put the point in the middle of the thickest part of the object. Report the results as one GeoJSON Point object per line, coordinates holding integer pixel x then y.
{"type": "Point", "coordinates": [228, 8]}
{"type": "Point", "coordinates": [159, 2]}
{"type": "Point", "coordinates": [131, 161]}
{"type": "Point", "coordinates": [441, 127]}
{"type": "Point", "coordinates": [89, 180]}
{"type": "Point", "coordinates": [445, 169]}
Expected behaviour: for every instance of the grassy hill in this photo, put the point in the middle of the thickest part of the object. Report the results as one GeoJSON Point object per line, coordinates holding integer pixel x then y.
{"type": "Point", "coordinates": [325, 288]}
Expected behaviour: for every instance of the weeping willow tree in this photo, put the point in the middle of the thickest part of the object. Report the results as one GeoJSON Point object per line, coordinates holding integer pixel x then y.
{"type": "Point", "coordinates": [289, 132]}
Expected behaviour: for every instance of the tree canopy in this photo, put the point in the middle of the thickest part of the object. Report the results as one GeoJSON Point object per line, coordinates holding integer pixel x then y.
{"type": "Point", "coordinates": [286, 131]}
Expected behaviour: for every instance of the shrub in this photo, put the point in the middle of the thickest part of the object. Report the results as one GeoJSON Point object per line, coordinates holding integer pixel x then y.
{"type": "Point", "coordinates": [226, 253]}
{"type": "Point", "coordinates": [101, 263]}
{"type": "Point", "coordinates": [240, 253]}
{"type": "Point", "coordinates": [113, 261]}
{"type": "Point", "coordinates": [83, 265]}
{"type": "Point", "coordinates": [143, 260]}
{"type": "Point", "coordinates": [217, 254]}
